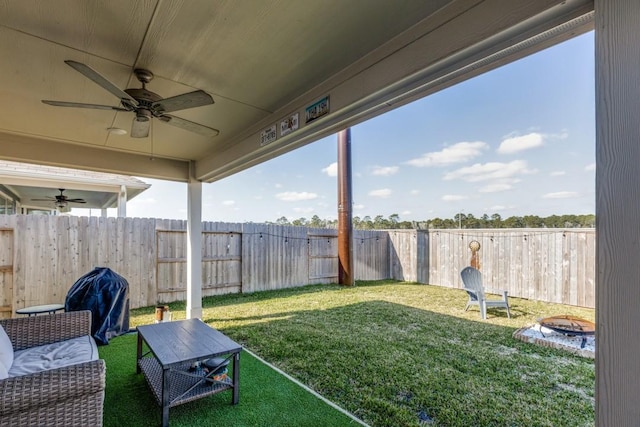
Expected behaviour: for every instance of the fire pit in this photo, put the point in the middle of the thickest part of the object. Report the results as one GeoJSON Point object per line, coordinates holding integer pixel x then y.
{"type": "Point", "coordinates": [569, 333]}
{"type": "Point", "coordinates": [569, 325]}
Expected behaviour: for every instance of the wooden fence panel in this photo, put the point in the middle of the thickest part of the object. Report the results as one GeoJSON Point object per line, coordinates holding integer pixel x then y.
{"type": "Point", "coordinates": [49, 253]}
{"type": "Point", "coordinates": [6, 272]}
{"type": "Point", "coordinates": [323, 257]}
{"type": "Point", "coordinates": [403, 254]}
{"type": "Point", "coordinates": [274, 257]}
{"type": "Point", "coordinates": [371, 252]}
{"type": "Point", "coordinates": [554, 265]}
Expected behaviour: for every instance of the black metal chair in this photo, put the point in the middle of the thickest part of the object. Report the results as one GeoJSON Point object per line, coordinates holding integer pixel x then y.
{"type": "Point", "coordinates": [472, 280]}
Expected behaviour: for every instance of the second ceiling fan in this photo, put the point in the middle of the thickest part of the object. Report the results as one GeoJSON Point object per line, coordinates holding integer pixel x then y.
{"type": "Point", "coordinates": [145, 104]}
{"type": "Point", "coordinates": [60, 200]}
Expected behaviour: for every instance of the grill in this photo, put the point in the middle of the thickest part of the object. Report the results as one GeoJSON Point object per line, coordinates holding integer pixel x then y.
{"type": "Point", "coordinates": [570, 326]}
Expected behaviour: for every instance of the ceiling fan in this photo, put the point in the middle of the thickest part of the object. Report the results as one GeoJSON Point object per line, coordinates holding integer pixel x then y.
{"type": "Point", "coordinates": [60, 200]}
{"type": "Point", "coordinates": [144, 103]}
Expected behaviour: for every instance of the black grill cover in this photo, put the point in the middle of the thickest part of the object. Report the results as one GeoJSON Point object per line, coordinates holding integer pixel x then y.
{"type": "Point", "coordinates": [106, 294]}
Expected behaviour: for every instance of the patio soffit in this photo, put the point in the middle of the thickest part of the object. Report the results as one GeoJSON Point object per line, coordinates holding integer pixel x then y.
{"type": "Point", "coordinates": [24, 182]}
{"type": "Point", "coordinates": [263, 63]}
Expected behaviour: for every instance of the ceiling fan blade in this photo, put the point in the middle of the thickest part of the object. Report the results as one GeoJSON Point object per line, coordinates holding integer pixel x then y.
{"type": "Point", "coordinates": [96, 77]}
{"type": "Point", "coordinates": [75, 200]}
{"type": "Point", "coordinates": [81, 105]}
{"type": "Point", "coordinates": [140, 128]}
{"type": "Point", "coordinates": [190, 126]}
{"type": "Point", "coordinates": [194, 99]}
{"type": "Point", "coordinates": [51, 199]}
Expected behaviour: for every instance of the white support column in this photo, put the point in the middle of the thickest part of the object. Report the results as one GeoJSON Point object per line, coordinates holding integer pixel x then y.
{"type": "Point", "coordinates": [617, 50]}
{"type": "Point", "coordinates": [194, 247]}
{"type": "Point", "coordinates": [103, 212]}
{"type": "Point", "coordinates": [122, 202]}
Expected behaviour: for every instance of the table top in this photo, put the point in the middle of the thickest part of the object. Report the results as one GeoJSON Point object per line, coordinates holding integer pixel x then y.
{"type": "Point", "coordinates": [36, 309]}
{"type": "Point", "coordinates": [186, 340]}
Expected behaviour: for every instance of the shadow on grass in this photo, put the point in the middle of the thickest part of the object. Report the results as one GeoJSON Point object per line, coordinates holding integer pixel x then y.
{"type": "Point", "coordinates": [394, 365]}
{"type": "Point", "coordinates": [406, 354]}
{"type": "Point", "coordinates": [266, 397]}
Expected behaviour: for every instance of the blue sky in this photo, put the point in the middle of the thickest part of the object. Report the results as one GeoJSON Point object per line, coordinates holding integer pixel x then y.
{"type": "Point", "coordinates": [518, 140]}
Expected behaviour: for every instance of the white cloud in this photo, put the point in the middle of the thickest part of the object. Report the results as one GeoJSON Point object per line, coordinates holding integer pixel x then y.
{"type": "Point", "coordinates": [229, 202]}
{"type": "Point", "coordinates": [561, 195]}
{"type": "Point", "coordinates": [303, 210]}
{"type": "Point", "coordinates": [590, 168]}
{"type": "Point", "coordinates": [562, 135]}
{"type": "Point", "coordinates": [331, 170]}
{"type": "Point", "coordinates": [414, 192]}
{"type": "Point", "coordinates": [501, 208]}
{"type": "Point", "coordinates": [385, 170]}
{"type": "Point", "coordinates": [520, 143]}
{"type": "Point", "coordinates": [456, 153]}
{"type": "Point", "coordinates": [358, 206]}
{"type": "Point", "coordinates": [492, 170]}
{"type": "Point", "coordinates": [382, 193]}
{"type": "Point", "coordinates": [453, 197]}
{"type": "Point", "coordinates": [278, 185]}
{"type": "Point", "coordinates": [557, 173]}
{"type": "Point", "coordinates": [294, 196]}
{"type": "Point", "coordinates": [495, 188]}
{"type": "Point", "coordinates": [406, 212]}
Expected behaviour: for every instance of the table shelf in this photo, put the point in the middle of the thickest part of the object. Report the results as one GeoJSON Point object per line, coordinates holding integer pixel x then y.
{"type": "Point", "coordinates": [181, 380]}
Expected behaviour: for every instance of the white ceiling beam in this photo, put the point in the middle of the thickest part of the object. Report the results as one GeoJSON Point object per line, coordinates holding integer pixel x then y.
{"type": "Point", "coordinates": [53, 153]}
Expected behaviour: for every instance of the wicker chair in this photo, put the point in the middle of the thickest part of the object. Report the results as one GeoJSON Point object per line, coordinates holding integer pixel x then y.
{"type": "Point", "coordinates": [72, 395]}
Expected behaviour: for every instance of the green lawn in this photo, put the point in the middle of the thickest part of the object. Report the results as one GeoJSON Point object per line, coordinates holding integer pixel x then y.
{"type": "Point", "coordinates": [403, 354]}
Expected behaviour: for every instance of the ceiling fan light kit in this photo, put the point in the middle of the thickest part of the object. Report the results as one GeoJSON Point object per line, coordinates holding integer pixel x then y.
{"type": "Point", "coordinates": [144, 103]}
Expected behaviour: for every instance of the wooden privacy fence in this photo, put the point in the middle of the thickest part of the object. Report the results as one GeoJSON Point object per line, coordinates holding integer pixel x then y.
{"type": "Point", "coordinates": [554, 265]}
{"type": "Point", "coordinates": [42, 256]}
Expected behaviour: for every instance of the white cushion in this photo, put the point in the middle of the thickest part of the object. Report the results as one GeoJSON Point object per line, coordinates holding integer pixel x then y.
{"type": "Point", "coordinates": [54, 355]}
{"type": "Point", "coordinates": [3, 372]}
{"type": "Point", "coordinates": [6, 349]}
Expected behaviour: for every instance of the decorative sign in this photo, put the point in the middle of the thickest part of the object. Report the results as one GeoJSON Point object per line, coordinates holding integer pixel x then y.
{"type": "Point", "coordinates": [289, 124]}
{"type": "Point", "coordinates": [268, 135]}
{"type": "Point", "coordinates": [317, 110]}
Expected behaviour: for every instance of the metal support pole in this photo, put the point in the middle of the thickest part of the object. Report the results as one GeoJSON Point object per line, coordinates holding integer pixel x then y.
{"type": "Point", "coordinates": [345, 224]}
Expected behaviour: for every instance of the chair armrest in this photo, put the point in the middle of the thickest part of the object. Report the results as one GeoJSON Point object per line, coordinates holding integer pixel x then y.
{"type": "Point", "coordinates": [26, 332]}
{"type": "Point", "coordinates": [473, 291]}
{"type": "Point", "coordinates": [55, 385]}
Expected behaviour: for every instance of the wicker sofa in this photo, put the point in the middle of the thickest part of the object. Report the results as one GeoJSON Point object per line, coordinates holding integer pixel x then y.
{"type": "Point", "coordinates": [71, 395]}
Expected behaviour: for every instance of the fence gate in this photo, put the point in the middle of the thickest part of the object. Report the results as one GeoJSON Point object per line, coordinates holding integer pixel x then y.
{"type": "Point", "coordinates": [6, 273]}
{"type": "Point", "coordinates": [323, 258]}
{"type": "Point", "coordinates": [221, 264]}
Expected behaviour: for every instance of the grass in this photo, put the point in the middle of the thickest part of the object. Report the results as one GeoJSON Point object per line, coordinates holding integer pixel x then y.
{"type": "Point", "coordinates": [266, 397]}
{"type": "Point", "coordinates": [402, 354]}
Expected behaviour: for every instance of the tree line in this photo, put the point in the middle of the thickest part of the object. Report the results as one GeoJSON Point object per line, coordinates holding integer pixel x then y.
{"type": "Point", "coordinates": [460, 220]}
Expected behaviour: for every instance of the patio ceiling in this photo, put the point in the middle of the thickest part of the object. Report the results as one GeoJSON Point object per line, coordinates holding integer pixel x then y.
{"type": "Point", "coordinates": [261, 61]}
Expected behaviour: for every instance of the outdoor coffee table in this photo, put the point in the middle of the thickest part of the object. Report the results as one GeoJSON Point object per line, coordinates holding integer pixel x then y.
{"type": "Point", "coordinates": [173, 350]}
